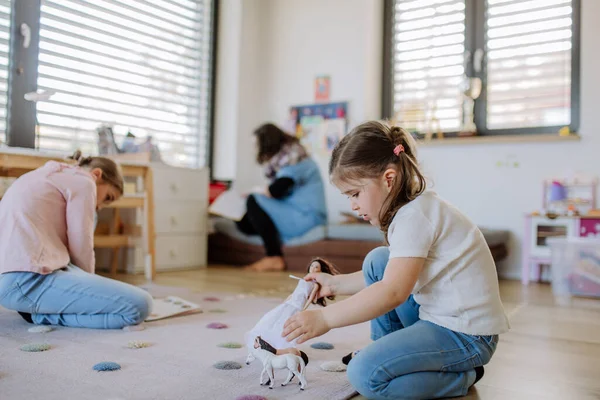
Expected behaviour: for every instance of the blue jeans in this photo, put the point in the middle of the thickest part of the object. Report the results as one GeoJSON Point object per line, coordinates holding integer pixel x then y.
{"type": "Point", "coordinates": [73, 297]}
{"type": "Point", "coordinates": [411, 358]}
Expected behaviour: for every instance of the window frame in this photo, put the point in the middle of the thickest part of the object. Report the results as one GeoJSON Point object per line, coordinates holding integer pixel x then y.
{"type": "Point", "coordinates": [23, 74]}
{"type": "Point", "coordinates": [475, 39]}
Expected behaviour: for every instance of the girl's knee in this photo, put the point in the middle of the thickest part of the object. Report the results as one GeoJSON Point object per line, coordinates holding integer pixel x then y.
{"type": "Point", "coordinates": [359, 374]}
{"type": "Point", "coordinates": [375, 263]}
{"type": "Point", "coordinates": [141, 303]}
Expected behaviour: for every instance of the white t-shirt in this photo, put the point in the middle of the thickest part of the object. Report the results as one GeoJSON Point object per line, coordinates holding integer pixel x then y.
{"type": "Point", "coordinates": [458, 287]}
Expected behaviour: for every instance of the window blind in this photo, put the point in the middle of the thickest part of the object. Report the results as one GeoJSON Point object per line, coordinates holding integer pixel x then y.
{"type": "Point", "coordinates": [142, 66]}
{"type": "Point", "coordinates": [428, 63]}
{"type": "Point", "coordinates": [528, 45]}
{"type": "Point", "coordinates": [5, 7]}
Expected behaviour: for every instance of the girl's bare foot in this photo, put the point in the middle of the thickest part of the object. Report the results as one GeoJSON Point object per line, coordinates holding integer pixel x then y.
{"type": "Point", "coordinates": [275, 263]}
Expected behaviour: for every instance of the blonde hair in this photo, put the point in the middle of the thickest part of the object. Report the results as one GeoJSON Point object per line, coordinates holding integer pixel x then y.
{"type": "Point", "coordinates": [111, 173]}
{"type": "Point", "coordinates": [367, 152]}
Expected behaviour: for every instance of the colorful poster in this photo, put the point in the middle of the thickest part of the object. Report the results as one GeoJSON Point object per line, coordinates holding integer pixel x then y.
{"type": "Point", "coordinates": [325, 110]}
{"type": "Point", "coordinates": [318, 126]}
{"type": "Point", "coordinates": [322, 88]}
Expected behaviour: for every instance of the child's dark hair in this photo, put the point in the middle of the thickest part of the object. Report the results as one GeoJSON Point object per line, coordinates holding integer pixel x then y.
{"type": "Point", "coordinates": [368, 151]}
{"type": "Point", "coordinates": [328, 268]}
{"type": "Point", "coordinates": [111, 173]}
{"type": "Point", "coordinates": [270, 140]}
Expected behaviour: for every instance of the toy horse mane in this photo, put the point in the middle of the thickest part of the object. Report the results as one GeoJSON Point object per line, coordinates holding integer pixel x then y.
{"type": "Point", "coordinates": [266, 346]}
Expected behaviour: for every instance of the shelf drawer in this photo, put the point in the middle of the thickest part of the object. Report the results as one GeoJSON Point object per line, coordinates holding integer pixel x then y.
{"type": "Point", "coordinates": [180, 184]}
{"type": "Point", "coordinates": [181, 216]}
{"type": "Point", "coordinates": [179, 252]}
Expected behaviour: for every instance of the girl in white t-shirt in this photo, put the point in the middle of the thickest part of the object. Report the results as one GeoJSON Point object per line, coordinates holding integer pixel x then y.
{"type": "Point", "coordinates": [431, 294]}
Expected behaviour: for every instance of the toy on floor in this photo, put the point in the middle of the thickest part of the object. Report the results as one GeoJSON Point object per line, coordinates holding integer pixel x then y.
{"type": "Point", "coordinates": [227, 365]}
{"type": "Point", "coordinates": [172, 306]}
{"type": "Point", "coordinates": [280, 352]}
{"type": "Point", "coordinates": [107, 366]}
{"type": "Point", "coordinates": [294, 364]}
{"type": "Point", "coordinates": [35, 347]}
{"type": "Point", "coordinates": [270, 326]}
{"type": "Point", "coordinates": [217, 325]}
{"type": "Point", "coordinates": [333, 366]}
{"type": "Point", "coordinates": [230, 345]}
{"type": "Point", "coordinates": [136, 344]}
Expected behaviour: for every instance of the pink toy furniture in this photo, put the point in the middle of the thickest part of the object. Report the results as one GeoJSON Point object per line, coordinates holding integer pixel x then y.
{"type": "Point", "coordinates": [536, 251]}
{"type": "Point", "coordinates": [538, 228]}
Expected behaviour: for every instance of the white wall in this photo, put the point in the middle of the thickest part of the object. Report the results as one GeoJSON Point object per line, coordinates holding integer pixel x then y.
{"type": "Point", "coordinates": [300, 39]}
{"type": "Point", "coordinates": [227, 88]}
{"type": "Point", "coordinates": [339, 38]}
{"type": "Point", "coordinates": [240, 92]}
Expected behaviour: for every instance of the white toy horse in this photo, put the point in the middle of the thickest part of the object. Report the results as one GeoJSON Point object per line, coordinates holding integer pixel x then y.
{"type": "Point", "coordinates": [270, 326]}
{"type": "Point", "coordinates": [294, 364]}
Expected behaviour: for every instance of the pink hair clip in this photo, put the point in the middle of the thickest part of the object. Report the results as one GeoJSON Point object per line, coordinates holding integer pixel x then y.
{"type": "Point", "coordinates": [398, 149]}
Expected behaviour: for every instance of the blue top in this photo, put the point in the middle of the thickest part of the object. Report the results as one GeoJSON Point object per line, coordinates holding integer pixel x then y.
{"type": "Point", "coordinates": [304, 208]}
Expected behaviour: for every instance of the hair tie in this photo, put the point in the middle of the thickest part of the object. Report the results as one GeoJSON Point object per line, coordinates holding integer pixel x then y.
{"type": "Point", "coordinates": [398, 149]}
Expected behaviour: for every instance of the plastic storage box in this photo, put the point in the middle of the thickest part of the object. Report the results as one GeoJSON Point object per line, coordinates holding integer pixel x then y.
{"type": "Point", "coordinates": [575, 266]}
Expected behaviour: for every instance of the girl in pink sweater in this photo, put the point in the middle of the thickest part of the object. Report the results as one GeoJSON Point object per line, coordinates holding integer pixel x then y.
{"type": "Point", "coordinates": [47, 263]}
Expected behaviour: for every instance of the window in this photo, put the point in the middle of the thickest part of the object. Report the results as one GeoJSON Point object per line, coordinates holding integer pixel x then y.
{"type": "Point", "coordinates": [517, 58]}
{"type": "Point", "coordinates": [141, 66]}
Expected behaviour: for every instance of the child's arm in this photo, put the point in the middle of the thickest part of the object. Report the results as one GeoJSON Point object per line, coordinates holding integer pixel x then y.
{"type": "Point", "coordinates": [399, 278]}
{"type": "Point", "coordinates": [349, 284]}
{"type": "Point", "coordinates": [81, 208]}
{"type": "Point", "coordinates": [333, 285]}
{"type": "Point", "coordinates": [398, 281]}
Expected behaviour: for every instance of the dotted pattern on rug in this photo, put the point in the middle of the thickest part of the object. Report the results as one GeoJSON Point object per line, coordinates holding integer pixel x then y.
{"type": "Point", "coordinates": [217, 325]}
{"type": "Point", "coordinates": [40, 329]}
{"type": "Point", "coordinates": [230, 345]}
{"type": "Point", "coordinates": [136, 344]}
{"type": "Point", "coordinates": [35, 347]}
{"type": "Point", "coordinates": [134, 328]}
{"type": "Point", "coordinates": [218, 310]}
{"type": "Point", "coordinates": [227, 365]}
{"type": "Point", "coordinates": [107, 366]}
{"type": "Point", "coordinates": [333, 366]}
{"type": "Point", "coordinates": [322, 346]}
{"type": "Point", "coordinates": [210, 298]}
{"type": "Point", "coordinates": [250, 397]}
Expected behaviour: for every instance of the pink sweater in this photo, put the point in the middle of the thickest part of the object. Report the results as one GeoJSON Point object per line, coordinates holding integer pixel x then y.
{"type": "Point", "coordinates": [47, 220]}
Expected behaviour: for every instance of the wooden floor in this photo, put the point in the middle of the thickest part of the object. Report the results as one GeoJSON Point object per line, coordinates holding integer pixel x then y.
{"type": "Point", "coordinates": [551, 352]}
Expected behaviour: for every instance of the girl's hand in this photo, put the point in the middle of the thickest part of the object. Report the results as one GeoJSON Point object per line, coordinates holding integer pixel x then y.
{"type": "Point", "coordinates": [306, 325]}
{"type": "Point", "coordinates": [326, 281]}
